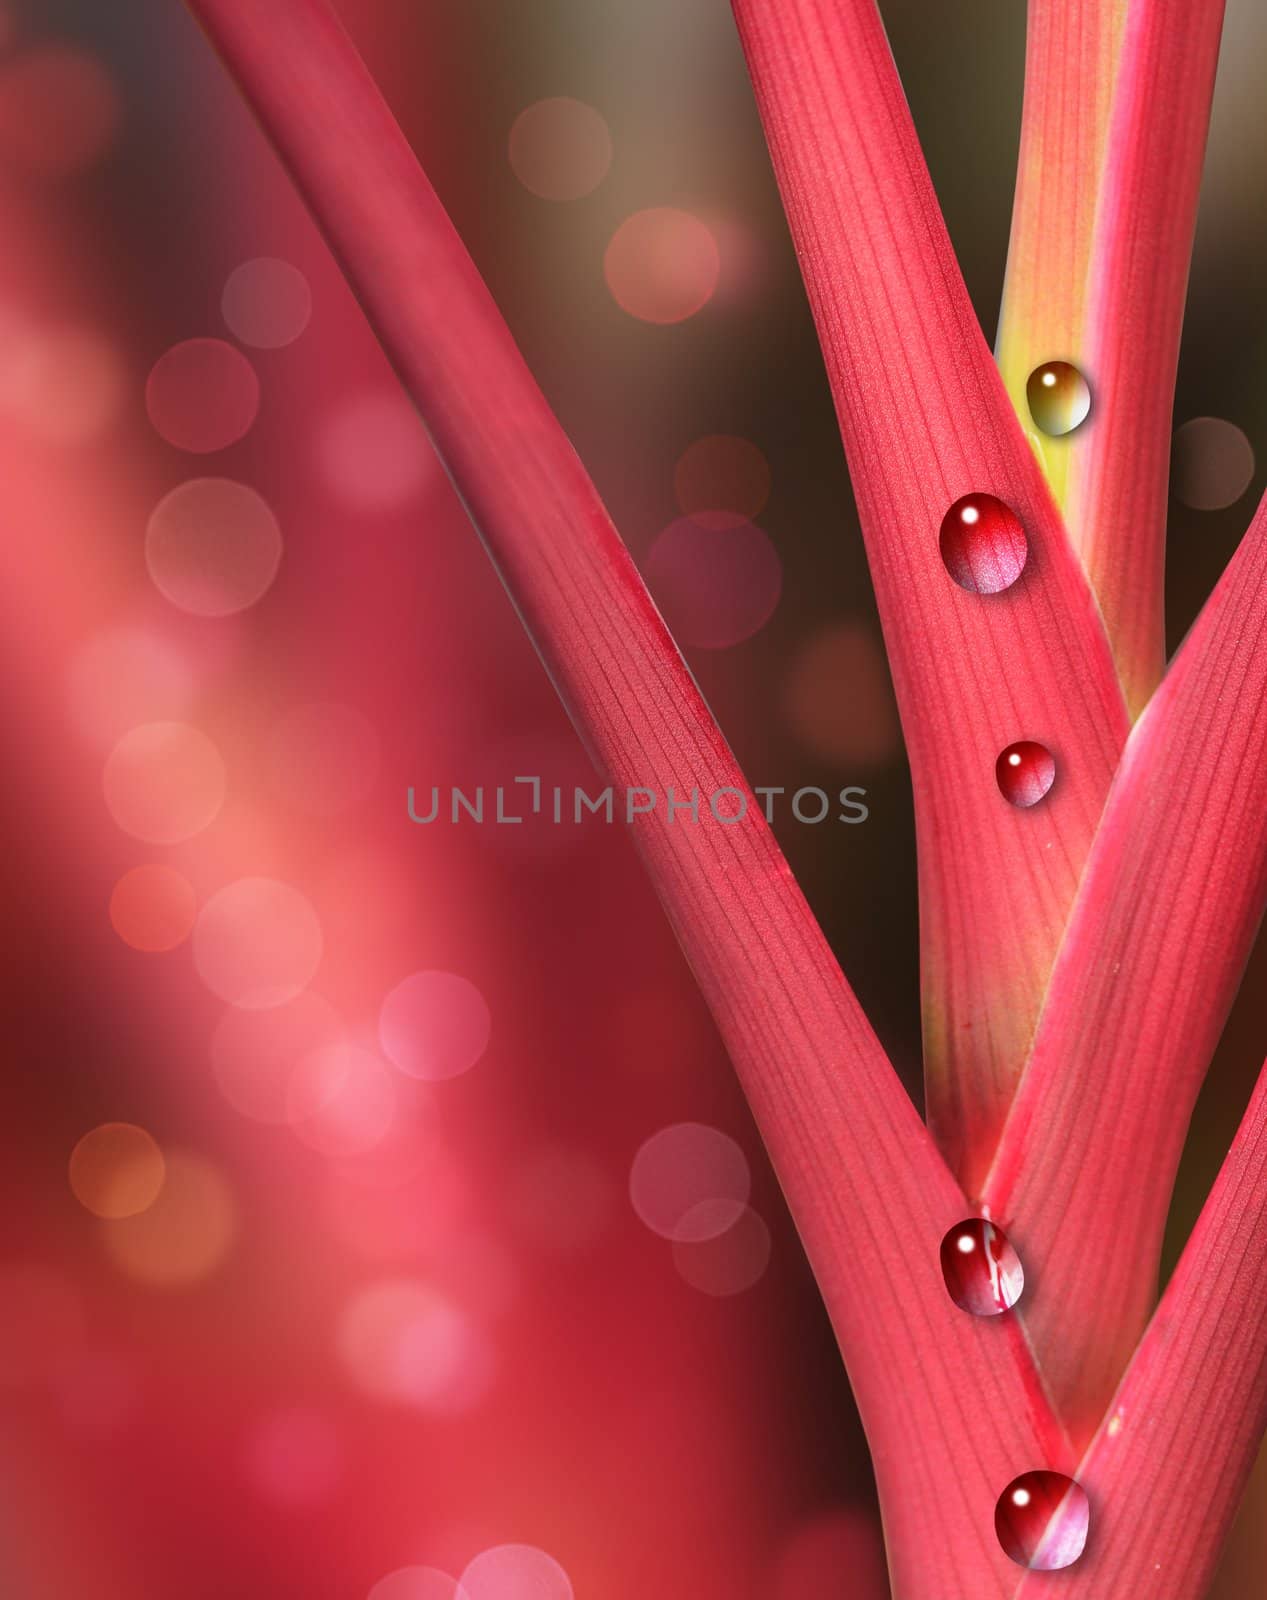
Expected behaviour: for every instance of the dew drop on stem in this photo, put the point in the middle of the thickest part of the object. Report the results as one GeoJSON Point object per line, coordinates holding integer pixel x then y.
{"type": "Point", "coordinates": [1026, 771]}
{"type": "Point", "coordinates": [983, 1272]}
{"type": "Point", "coordinates": [983, 544]}
{"type": "Point", "coordinates": [1059, 397]}
{"type": "Point", "coordinates": [1042, 1520]}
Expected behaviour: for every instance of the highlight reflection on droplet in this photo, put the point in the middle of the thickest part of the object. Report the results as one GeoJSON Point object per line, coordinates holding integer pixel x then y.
{"type": "Point", "coordinates": [983, 544]}
{"type": "Point", "coordinates": [1059, 397]}
{"type": "Point", "coordinates": [1042, 1520]}
{"type": "Point", "coordinates": [983, 1273]}
{"type": "Point", "coordinates": [1026, 771]}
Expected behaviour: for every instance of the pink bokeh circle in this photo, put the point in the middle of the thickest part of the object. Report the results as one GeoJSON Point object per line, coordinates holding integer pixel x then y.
{"type": "Point", "coordinates": [202, 396]}
{"type": "Point", "coordinates": [516, 1572]}
{"type": "Point", "coordinates": [267, 303]}
{"type": "Point", "coordinates": [256, 1054]}
{"type": "Point", "coordinates": [164, 782]}
{"type": "Point", "coordinates": [716, 586]}
{"type": "Point", "coordinates": [435, 1025]}
{"type": "Point", "coordinates": [257, 943]}
{"type": "Point", "coordinates": [690, 1182]}
{"type": "Point", "coordinates": [722, 1262]}
{"type": "Point", "coordinates": [213, 547]}
{"type": "Point", "coordinates": [374, 452]}
{"type": "Point", "coordinates": [560, 149]}
{"type": "Point", "coordinates": [403, 1341]}
{"type": "Point", "coordinates": [662, 265]}
{"type": "Point", "coordinates": [341, 1100]}
{"type": "Point", "coordinates": [418, 1583]}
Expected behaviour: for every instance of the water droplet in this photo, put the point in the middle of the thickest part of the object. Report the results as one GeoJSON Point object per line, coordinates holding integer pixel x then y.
{"type": "Point", "coordinates": [1042, 1519]}
{"type": "Point", "coordinates": [1026, 771]}
{"type": "Point", "coordinates": [1059, 397]}
{"type": "Point", "coordinates": [983, 544]}
{"type": "Point", "coordinates": [982, 1271]}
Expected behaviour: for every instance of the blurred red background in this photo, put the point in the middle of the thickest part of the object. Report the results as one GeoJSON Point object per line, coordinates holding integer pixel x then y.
{"type": "Point", "coordinates": [380, 1209]}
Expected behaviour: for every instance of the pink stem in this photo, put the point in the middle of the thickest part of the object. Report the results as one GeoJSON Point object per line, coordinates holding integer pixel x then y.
{"type": "Point", "coordinates": [1172, 899]}
{"type": "Point", "coordinates": [1167, 1469]}
{"type": "Point", "coordinates": [1120, 474]}
{"type": "Point", "coordinates": [951, 1402]}
{"type": "Point", "coordinates": [925, 420]}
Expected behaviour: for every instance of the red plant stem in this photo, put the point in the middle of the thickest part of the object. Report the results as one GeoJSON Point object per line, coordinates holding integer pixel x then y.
{"type": "Point", "coordinates": [1119, 478]}
{"type": "Point", "coordinates": [1173, 896]}
{"type": "Point", "coordinates": [951, 1402]}
{"type": "Point", "coordinates": [1167, 1469]}
{"type": "Point", "coordinates": [925, 419]}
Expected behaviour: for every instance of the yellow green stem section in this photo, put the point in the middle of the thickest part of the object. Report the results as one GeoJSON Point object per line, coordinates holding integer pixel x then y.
{"type": "Point", "coordinates": [1072, 52]}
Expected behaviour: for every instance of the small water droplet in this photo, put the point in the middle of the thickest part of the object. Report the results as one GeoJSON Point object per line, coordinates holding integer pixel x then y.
{"type": "Point", "coordinates": [1026, 771]}
{"type": "Point", "coordinates": [983, 544]}
{"type": "Point", "coordinates": [982, 1271]}
{"type": "Point", "coordinates": [1059, 397]}
{"type": "Point", "coordinates": [1042, 1520]}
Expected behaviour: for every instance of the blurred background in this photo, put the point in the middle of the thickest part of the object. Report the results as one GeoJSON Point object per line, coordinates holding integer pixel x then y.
{"type": "Point", "coordinates": [380, 1211]}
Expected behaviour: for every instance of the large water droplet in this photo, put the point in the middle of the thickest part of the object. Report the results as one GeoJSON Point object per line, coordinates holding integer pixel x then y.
{"type": "Point", "coordinates": [1042, 1520]}
{"type": "Point", "coordinates": [1059, 397]}
{"type": "Point", "coordinates": [1026, 771]}
{"type": "Point", "coordinates": [983, 544]}
{"type": "Point", "coordinates": [982, 1271]}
